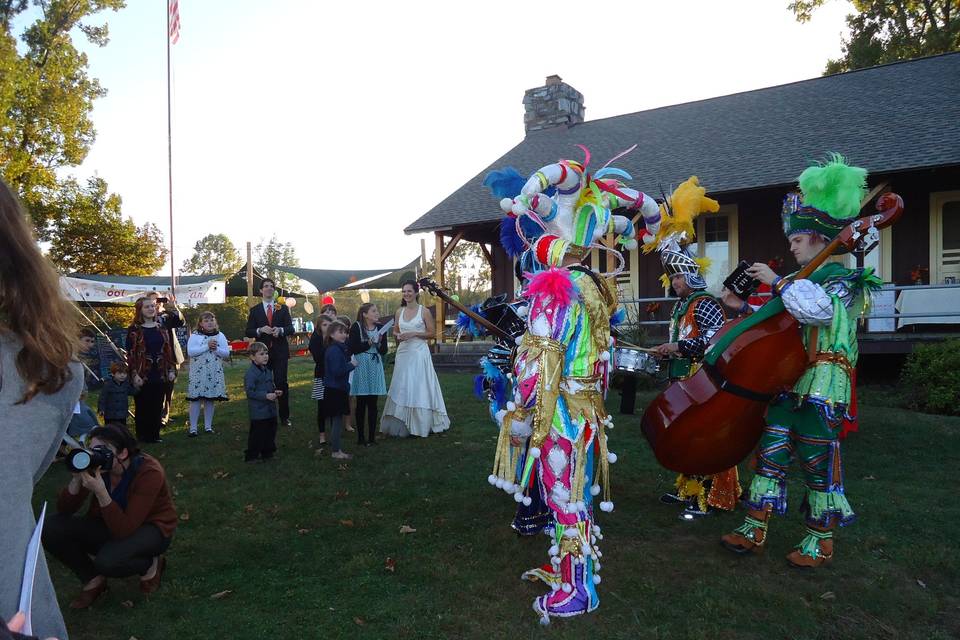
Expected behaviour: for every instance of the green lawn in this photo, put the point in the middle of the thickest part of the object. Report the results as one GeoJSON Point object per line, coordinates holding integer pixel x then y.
{"type": "Point", "coordinates": [300, 546]}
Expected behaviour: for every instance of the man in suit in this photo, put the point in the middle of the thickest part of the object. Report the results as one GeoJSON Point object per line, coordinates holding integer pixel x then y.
{"type": "Point", "coordinates": [270, 323]}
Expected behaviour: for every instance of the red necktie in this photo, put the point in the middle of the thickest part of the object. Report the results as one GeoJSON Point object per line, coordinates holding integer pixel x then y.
{"type": "Point", "coordinates": [270, 314]}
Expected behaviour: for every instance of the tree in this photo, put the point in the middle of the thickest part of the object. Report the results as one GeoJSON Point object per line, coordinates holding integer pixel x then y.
{"type": "Point", "coordinates": [889, 30]}
{"type": "Point", "coordinates": [214, 253]}
{"type": "Point", "coordinates": [92, 235]}
{"type": "Point", "coordinates": [467, 272]}
{"type": "Point", "coordinates": [273, 253]}
{"type": "Point", "coordinates": [46, 97]}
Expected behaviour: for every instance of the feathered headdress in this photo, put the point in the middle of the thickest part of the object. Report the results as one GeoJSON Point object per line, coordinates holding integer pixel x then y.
{"type": "Point", "coordinates": [830, 198]}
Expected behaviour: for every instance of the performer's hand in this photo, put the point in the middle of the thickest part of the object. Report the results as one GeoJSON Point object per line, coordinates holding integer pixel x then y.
{"type": "Point", "coordinates": [667, 349]}
{"type": "Point", "coordinates": [731, 299]}
{"type": "Point", "coordinates": [762, 272]}
{"type": "Point", "coordinates": [137, 381]}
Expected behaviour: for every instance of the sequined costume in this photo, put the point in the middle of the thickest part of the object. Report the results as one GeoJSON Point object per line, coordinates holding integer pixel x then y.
{"type": "Point", "coordinates": [804, 424]}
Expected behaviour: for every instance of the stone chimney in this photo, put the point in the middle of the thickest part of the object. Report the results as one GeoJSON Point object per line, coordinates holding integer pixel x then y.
{"type": "Point", "coordinates": [552, 105]}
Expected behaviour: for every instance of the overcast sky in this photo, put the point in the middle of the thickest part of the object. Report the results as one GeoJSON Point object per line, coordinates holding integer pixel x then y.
{"type": "Point", "coordinates": [335, 125]}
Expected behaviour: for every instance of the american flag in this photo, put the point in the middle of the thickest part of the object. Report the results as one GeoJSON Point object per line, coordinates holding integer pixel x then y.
{"type": "Point", "coordinates": [173, 19]}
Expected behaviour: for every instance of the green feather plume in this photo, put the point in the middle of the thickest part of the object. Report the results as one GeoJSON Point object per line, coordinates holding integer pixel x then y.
{"type": "Point", "coordinates": [834, 187]}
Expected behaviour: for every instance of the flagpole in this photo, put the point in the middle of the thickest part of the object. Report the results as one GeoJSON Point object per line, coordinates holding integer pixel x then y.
{"type": "Point", "coordinates": [170, 155]}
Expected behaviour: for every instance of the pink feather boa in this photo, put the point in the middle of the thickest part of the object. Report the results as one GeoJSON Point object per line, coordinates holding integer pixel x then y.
{"type": "Point", "coordinates": [552, 288]}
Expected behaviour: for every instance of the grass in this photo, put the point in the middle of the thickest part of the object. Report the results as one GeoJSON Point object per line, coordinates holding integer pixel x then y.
{"type": "Point", "coordinates": [301, 546]}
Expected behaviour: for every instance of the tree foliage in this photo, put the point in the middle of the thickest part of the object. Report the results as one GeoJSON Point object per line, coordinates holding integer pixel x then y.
{"type": "Point", "coordinates": [213, 254]}
{"type": "Point", "coordinates": [46, 96]}
{"type": "Point", "coordinates": [889, 30]}
{"type": "Point", "coordinates": [467, 272]}
{"type": "Point", "coordinates": [92, 235]}
{"type": "Point", "coordinates": [273, 253]}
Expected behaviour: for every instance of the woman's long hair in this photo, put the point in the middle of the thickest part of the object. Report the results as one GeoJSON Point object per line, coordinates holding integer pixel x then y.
{"type": "Point", "coordinates": [361, 311]}
{"type": "Point", "coordinates": [32, 306]}
{"type": "Point", "coordinates": [416, 291]}
{"type": "Point", "coordinates": [138, 318]}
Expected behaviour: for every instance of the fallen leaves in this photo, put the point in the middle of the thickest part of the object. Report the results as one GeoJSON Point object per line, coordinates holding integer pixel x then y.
{"type": "Point", "coordinates": [127, 603]}
{"type": "Point", "coordinates": [359, 621]}
{"type": "Point", "coordinates": [303, 531]}
{"type": "Point", "coordinates": [828, 595]}
{"type": "Point", "coordinates": [346, 523]}
{"type": "Point", "coordinates": [249, 508]}
{"type": "Point", "coordinates": [184, 516]}
{"type": "Point", "coordinates": [341, 494]}
{"type": "Point", "coordinates": [870, 478]}
{"type": "Point", "coordinates": [219, 475]}
{"type": "Point", "coordinates": [390, 564]}
{"type": "Point", "coordinates": [179, 476]}
{"type": "Point", "coordinates": [220, 595]}
{"type": "Point", "coordinates": [923, 585]}
{"type": "Point", "coordinates": [407, 529]}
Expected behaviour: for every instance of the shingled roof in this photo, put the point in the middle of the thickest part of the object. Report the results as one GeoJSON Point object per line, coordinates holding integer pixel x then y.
{"type": "Point", "coordinates": [894, 117]}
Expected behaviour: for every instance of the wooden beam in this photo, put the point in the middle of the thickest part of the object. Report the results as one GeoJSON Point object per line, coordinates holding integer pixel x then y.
{"type": "Point", "coordinates": [438, 273]}
{"type": "Point", "coordinates": [486, 252]}
{"type": "Point", "coordinates": [450, 245]}
{"type": "Point", "coordinates": [874, 193]}
{"type": "Point", "coordinates": [423, 256]}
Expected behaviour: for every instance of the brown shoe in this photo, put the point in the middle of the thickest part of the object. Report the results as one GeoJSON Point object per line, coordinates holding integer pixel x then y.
{"type": "Point", "coordinates": [750, 536]}
{"type": "Point", "coordinates": [88, 596]}
{"type": "Point", "coordinates": [822, 555]}
{"type": "Point", "coordinates": [152, 584]}
{"type": "Point", "coordinates": [741, 545]}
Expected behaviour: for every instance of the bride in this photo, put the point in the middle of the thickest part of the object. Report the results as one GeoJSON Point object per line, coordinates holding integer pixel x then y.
{"type": "Point", "coordinates": [414, 403]}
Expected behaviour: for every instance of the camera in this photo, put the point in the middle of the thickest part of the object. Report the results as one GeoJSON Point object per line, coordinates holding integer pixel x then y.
{"type": "Point", "coordinates": [163, 300]}
{"type": "Point", "coordinates": [85, 460]}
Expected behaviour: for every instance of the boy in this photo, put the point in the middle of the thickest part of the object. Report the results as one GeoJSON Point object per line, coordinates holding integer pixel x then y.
{"type": "Point", "coordinates": [114, 394]}
{"type": "Point", "coordinates": [262, 397]}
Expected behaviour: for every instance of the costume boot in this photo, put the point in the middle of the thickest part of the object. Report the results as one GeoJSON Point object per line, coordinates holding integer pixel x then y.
{"type": "Point", "coordinates": [815, 549]}
{"type": "Point", "coordinates": [576, 592]}
{"type": "Point", "coordinates": [750, 536]}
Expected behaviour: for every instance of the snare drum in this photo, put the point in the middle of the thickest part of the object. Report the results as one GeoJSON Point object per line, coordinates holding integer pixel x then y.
{"type": "Point", "coordinates": [635, 361]}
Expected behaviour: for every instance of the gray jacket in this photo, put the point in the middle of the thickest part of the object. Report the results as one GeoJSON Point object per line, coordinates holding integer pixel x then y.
{"type": "Point", "coordinates": [258, 383]}
{"type": "Point", "coordinates": [32, 430]}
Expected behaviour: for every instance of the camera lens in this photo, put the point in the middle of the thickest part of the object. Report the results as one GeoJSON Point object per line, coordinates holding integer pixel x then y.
{"type": "Point", "coordinates": [79, 460]}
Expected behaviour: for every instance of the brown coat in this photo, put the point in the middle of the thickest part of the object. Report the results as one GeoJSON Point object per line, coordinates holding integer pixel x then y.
{"type": "Point", "coordinates": [148, 501]}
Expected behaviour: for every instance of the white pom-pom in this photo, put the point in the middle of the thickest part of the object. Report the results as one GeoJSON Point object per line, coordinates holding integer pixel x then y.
{"type": "Point", "coordinates": [554, 550]}
{"type": "Point", "coordinates": [509, 487]}
{"type": "Point", "coordinates": [499, 483]}
{"type": "Point", "coordinates": [554, 586]}
{"type": "Point", "coordinates": [519, 340]}
{"type": "Point", "coordinates": [612, 458]}
{"type": "Point", "coordinates": [567, 587]}
{"type": "Point", "coordinates": [511, 406]}
{"type": "Point", "coordinates": [526, 501]}
{"type": "Point", "coordinates": [506, 204]}
{"type": "Point", "coordinates": [595, 490]}
{"type": "Point", "coordinates": [605, 355]}
{"type": "Point", "coordinates": [596, 566]}
{"type": "Point", "coordinates": [492, 479]}
{"type": "Point", "coordinates": [606, 507]}
{"type": "Point", "coordinates": [596, 578]}
{"type": "Point", "coordinates": [630, 244]}
{"type": "Point", "coordinates": [555, 560]}
{"type": "Point", "coordinates": [518, 496]}
{"type": "Point", "coordinates": [523, 311]}
{"type": "Point", "coordinates": [545, 621]}
{"type": "Point", "coordinates": [535, 452]}
{"type": "Point", "coordinates": [596, 529]}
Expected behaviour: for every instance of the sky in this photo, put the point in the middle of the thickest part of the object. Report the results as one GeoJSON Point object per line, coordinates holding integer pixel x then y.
{"type": "Point", "coordinates": [334, 125]}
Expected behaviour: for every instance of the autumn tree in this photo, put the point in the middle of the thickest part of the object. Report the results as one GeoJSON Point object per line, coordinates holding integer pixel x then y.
{"type": "Point", "coordinates": [46, 96]}
{"type": "Point", "coordinates": [273, 253]}
{"type": "Point", "coordinates": [92, 236]}
{"type": "Point", "coordinates": [213, 254]}
{"type": "Point", "coordinates": [889, 30]}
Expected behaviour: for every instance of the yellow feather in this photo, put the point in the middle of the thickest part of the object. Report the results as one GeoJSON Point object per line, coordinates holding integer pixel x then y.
{"type": "Point", "coordinates": [686, 202]}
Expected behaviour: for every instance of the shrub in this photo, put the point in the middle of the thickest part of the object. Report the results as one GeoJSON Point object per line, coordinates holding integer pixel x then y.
{"type": "Point", "coordinates": [931, 378]}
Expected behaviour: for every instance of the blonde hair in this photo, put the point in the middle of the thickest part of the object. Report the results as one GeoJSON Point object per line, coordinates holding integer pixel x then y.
{"type": "Point", "coordinates": [32, 306]}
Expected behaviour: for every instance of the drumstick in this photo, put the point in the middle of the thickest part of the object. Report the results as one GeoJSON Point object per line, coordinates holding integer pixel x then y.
{"type": "Point", "coordinates": [633, 346]}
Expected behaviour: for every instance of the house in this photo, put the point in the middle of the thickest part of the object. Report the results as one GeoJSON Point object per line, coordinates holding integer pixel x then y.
{"type": "Point", "coordinates": [901, 121]}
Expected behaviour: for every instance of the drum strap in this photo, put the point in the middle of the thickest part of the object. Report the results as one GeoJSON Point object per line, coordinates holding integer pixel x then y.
{"type": "Point", "coordinates": [735, 389]}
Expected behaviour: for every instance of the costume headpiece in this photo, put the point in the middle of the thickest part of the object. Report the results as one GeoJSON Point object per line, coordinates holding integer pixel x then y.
{"type": "Point", "coordinates": [829, 198]}
{"type": "Point", "coordinates": [563, 210]}
{"type": "Point", "coordinates": [678, 212]}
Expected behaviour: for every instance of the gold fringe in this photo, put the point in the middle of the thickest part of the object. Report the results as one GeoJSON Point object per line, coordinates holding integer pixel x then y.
{"type": "Point", "coordinates": [579, 471]}
{"type": "Point", "coordinates": [502, 460]}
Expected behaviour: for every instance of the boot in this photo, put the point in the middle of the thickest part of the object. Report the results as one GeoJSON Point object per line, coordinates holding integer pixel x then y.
{"type": "Point", "coordinates": [750, 536]}
{"type": "Point", "coordinates": [814, 550]}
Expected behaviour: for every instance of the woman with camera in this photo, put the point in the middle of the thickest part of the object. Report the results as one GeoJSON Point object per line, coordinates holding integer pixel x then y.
{"type": "Point", "coordinates": [130, 521]}
{"type": "Point", "coordinates": [40, 382]}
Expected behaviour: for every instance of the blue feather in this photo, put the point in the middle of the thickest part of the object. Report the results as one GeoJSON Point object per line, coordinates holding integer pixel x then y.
{"type": "Point", "coordinates": [504, 183]}
{"type": "Point", "coordinates": [463, 321]}
{"type": "Point", "coordinates": [618, 317]}
{"type": "Point", "coordinates": [478, 386]}
{"type": "Point", "coordinates": [613, 171]}
{"type": "Point", "coordinates": [510, 240]}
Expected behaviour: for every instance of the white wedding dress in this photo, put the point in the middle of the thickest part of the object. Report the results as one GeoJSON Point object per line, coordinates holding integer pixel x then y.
{"type": "Point", "coordinates": [414, 403]}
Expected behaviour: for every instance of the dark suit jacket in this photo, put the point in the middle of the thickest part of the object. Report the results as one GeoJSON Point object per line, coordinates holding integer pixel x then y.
{"type": "Point", "coordinates": [281, 318]}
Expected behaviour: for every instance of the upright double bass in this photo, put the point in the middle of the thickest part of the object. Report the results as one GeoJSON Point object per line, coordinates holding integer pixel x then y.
{"type": "Point", "coordinates": [711, 421]}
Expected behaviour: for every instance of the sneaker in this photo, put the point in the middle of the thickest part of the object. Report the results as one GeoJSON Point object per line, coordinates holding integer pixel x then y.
{"type": "Point", "coordinates": [340, 455]}
{"type": "Point", "coordinates": [210, 431]}
{"type": "Point", "coordinates": [693, 512]}
{"type": "Point", "coordinates": [192, 434]}
{"type": "Point", "coordinates": [671, 498]}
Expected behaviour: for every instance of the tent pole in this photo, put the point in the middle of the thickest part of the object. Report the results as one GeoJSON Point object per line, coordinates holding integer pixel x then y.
{"type": "Point", "coordinates": [249, 272]}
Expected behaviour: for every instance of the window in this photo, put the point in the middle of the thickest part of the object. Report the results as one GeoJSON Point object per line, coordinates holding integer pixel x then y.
{"type": "Point", "coordinates": [945, 237]}
{"type": "Point", "coordinates": [717, 240]}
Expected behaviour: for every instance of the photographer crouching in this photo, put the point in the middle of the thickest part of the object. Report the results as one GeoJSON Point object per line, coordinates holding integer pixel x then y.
{"type": "Point", "coordinates": [130, 521]}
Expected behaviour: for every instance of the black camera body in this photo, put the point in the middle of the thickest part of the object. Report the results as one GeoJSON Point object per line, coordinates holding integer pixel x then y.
{"type": "Point", "coordinates": [86, 460]}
